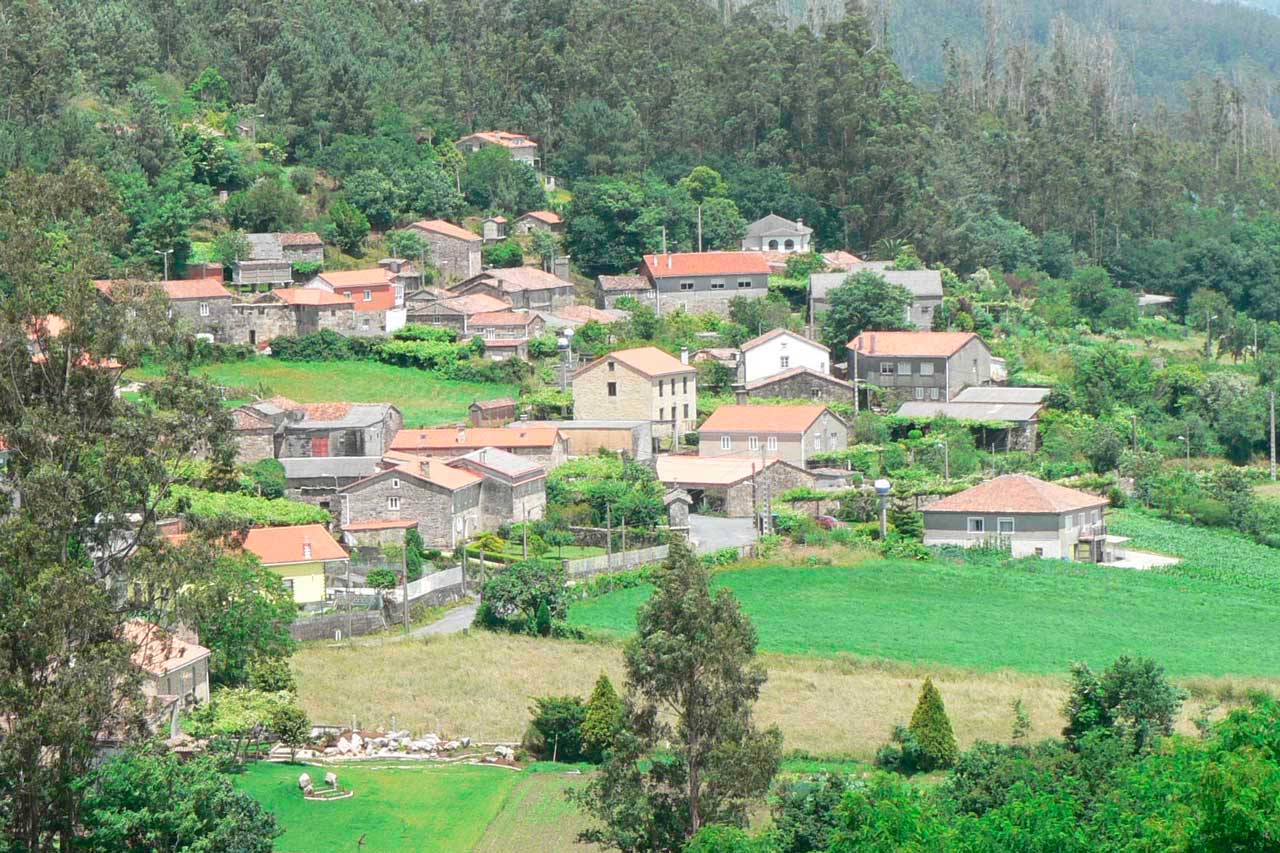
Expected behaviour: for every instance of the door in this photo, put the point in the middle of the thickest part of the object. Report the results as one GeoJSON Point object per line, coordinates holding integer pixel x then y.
{"type": "Point", "coordinates": [320, 445]}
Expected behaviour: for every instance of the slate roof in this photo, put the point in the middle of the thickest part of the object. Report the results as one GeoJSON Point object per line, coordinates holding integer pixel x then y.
{"type": "Point", "coordinates": [1011, 412]}
{"type": "Point", "coordinates": [515, 279]}
{"type": "Point", "coordinates": [309, 467]}
{"type": "Point", "coordinates": [1002, 394]}
{"type": "Point", "coordinates": [501, 462]}
{"type": "Point", "coordinates": [773, 225]}
{"type": "Point", "coordinates": [1017, 493]}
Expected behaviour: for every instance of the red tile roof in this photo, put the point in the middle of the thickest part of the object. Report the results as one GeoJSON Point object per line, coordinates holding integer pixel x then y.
{"type": "Point", "coordinates": [1017, 493]}
{"type": "Point", "coordinates": [587, 314]}
{"type": "Point", "coordinates": [514, 279]}
{"type": "Point", "coordinates": [473, 438]}
{"type": "Point", "coordinates": [282, 546]}
{"type": "Point", "coordinates": [624, 282]}
{"type": "Point", "coordinates": [446, 229]}
{"type": "Point", "coordinates": [505, 138]}
{"type": "Point", "coordinates": [706, 263]}
{"type": "Point", "coordinates": [547, 216]}
{"type": "Point", "coordinates": [773, 419]}
{"type": "Point", "coordinates": [649, 361]}
{"type": "Point", "coordinates": [710, 470]}
{"type": "Point", "coordinates": [908, 344]}
{"type": "Point", "coordinates": [504, 318]}
{"type": "Point", "coordinates": [308, 296]}
{"type": "Point", "coordinates": [474, 303]}
{"type": "Point", "coordinates": [156, 651]}
{"type": "Point", "coordinates": [197, 288]}
{"type": "Point", "coordinates": [370, 277]}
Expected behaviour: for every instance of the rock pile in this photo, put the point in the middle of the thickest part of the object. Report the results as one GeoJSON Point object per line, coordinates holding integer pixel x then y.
{"type": "Point", "coordinates": [355, 744]}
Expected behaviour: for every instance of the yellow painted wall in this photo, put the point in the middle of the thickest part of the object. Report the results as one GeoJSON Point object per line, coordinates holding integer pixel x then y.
{"type": "Point", "coordinates": [308, 580]}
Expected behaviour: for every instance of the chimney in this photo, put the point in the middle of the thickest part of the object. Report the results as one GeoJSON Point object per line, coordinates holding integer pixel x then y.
{"type": "Point", "coordinates": [462, 436]}
{"type": "Point", "coordinates": [306, 548]}
{"type": "Point", "coordinates": [684, 355]}
{"type": "Point", "coordinates": [740, 394]}
{"type": "Point", "coordinates": [872, 351]}
{"type": "Point", "coordinates": [799, 224]}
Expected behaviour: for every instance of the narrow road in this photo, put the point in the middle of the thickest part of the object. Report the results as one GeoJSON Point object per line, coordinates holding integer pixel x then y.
{"type": "Point", "coordinates": [456, 620]}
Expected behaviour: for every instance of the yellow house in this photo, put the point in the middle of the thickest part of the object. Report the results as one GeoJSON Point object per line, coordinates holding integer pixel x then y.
{"type": "Point", "coordinates": [299, 555]}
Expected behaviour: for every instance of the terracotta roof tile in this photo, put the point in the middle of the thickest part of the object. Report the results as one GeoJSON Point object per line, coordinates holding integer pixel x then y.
{"type": "Point", "coordinates": [475, 303]}
{"type": "Point", "coordinates": [308, 296]}
{"type": "Point", "coordinates": [773, 419]}
{"type": "Point", "coordinates": [370, 277]}
{"type": "Point", "coordinates": [587, 314]}
{"type": "Point", "coordinates": [1017, 493]}
{"type": "Point", "coordinates": [389, 524]}
{"type": "Point", "coordinates": [908, 344]}
{"type": "Point", "coordinates": [766, 381]}
{"type": "Point", "coordinates": [463, 440]}
{"type": "Point", "coordinates": [547, 216]}
{"type": "Point", "coordinates": [282, 546]}
{"type": "Point", "coordinates": [446, 229]}
{"type": "Point", "coordinates": [300, 238]}
{"type": "Point", "coordinates": [156, 651]}
{"type": "Point", "coordinates": [649, 361]}
{"type": "Point", "coordinates": [514, 279]}
{"type": "Point", "coordinates": [198, 288]}
{"type": "Point", "coordinates": [707, 263]}
{"type": "Point", "coordinates": [504, 318]}
{"type": "Point", "coordinates": [710, 470]}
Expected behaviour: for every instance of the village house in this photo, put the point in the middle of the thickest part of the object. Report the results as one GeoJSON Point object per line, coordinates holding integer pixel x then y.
{"type": "Point", "coordinates": [925, 287]}
{"type": "Point", "coordinates": [779, 350]}
{"type": "Point", "coordinates": [301, 430]}
{"type": "Point", "coordinates": [272, 256]}
{"type": "Point", "coordinates": [588, 438]}
{"type": "Point", "coordinates": [506, 334]}
{"type": "Point", "coordinates": [929, 366]}
{"type": "Point", "coordinates": [1018, 408]}
{"type": "Point", "coordinates": [738, 486]}
{"type": "Point", "coordinates": [453, 312]}
{"type": "Point", "coordinates": [773, 233]}
{"type": "Point", "coordinates": [705, 281]}
{"type": "Point", "coordinates": [638, 384]}
{"type": "Point", "coordinates": [377, 291]}
{"type": "Point", "coordinates": [791, 433]}
{"type": "Point", "coordinates": [1025, 515]}
{"type": "Point", "coordinates": [492, 413]}
{"type": "Point", "coordinates": [296, 311]}
{"type": "Point", "coordinates": [539, 220]}
{"type": "Point", "coordinates": [798, 383]}
{"type": "Point", "coordinates": [176, 668]}
{"type": "Point", "coordinates": [522, 150]}
{"type": "Point", "coordinates": [611, 288]}
{"type": "Point", "coordinates": [493, 229]}
{"type": "Point", "coordinates": [444, 502]}
{"type": "Point", "coordinates": [201, 304]}
{"type": "Point", "coordinates": [523, 287]}
{"type": "Point", "coordinates": [454, 249]}
{"type": "Point", "coordinates": [545, 446]}
{"type": "Point", "coordinates": [302, 555]}
{"type": "Point", "coordinates": [315, 479]}
{"type": "Point", "coordinates": [514, 488]}
{"type": "Point", "coordinates": [726, 357]}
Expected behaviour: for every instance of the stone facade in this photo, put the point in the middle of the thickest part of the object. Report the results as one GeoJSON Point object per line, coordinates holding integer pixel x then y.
{"type": "Point", "coordinates": [303, 439]}
{"type": "Point", "coordinates": [602, 392]}
{"type": "Point", "coordinates": [455, 256]}
{"type": "Point", "coordinates": [210, 316]}
{"type": "Point", "coordinates": [798, 384]}
{"type": "Point", "coordinates": [925, 378]}
{"type": "Point", "coordinates": [771, 482]}
{"type": "Point", "coordinates": [440, 512]}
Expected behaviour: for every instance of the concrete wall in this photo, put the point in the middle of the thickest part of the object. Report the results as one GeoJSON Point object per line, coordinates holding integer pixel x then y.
{"type": "Point", "coordinates": [783, 353]}
{"type": "Point", "coordinates": [326, 627]}
{"type": "Point", "coordinates": [616, 562]}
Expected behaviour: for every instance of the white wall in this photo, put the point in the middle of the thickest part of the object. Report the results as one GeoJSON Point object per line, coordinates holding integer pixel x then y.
{"type": "Point", "coordinates": [766, 359]}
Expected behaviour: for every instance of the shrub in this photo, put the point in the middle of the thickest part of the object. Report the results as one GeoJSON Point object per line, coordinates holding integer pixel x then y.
{"type": "Point", "coordinates": [603, 721]}
{"type": "Point", "coordinates": [414, 553]}
{"type": "Point", "coordinates": [272, 675]}
{"type": "Point", "coordinates": [902, 754]}
{"type": "Point", "coordinates": [804, 812]}
{"type": "Point", "coordinates": [381, 579]}
{"type": "Point", "coordinates": [556, 728]}
{"type": "Point", "coordinates": [267, 478]}
{"type": "Point", "coordinates": [291, 725]}
{"type": "Point", "coordinates": [419, 332]}
{"type": "Point", "coordinates": [1133, 700]}
{"type": "Point", "coordinates": [506, 253]}
{"type": "Point", "coordinates": [542, 622]}
{"type": "Point", "coordinates": [325, 345]}
{"type": "Point", "coordinates": [302, 179]}
{"type": "Point", "coordinates": [932, 730]}
{"type": "Point", "coordinates": [717, 838]}
{"type": "Point", "coordinates": [269, 512]}
{"type": "Point", "coordinates": [516, 593]}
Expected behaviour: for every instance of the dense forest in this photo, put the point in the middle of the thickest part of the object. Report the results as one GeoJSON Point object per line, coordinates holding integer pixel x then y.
{"type": "Point", "coordinates": [1023, 156]}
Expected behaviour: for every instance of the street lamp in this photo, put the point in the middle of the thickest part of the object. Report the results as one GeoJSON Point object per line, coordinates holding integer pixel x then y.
{"type": "Point", "coordinates": [166, 253]}
{"type": "Point", "coordinates": [883, 488]}
{"type": "Point", "coordinates": [565, 345]}
{"type": "Point", "coordinates": [1186, 441]}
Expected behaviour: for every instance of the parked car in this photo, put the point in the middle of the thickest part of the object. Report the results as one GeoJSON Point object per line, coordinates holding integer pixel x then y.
{"type": "Point", "coordinates": [828, 522]}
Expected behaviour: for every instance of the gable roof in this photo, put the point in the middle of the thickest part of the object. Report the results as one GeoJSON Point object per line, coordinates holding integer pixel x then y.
{"type": "Point", "coordinates": [501, 462]}
{"type": "Point", "coordinates": [209, 287]}
{"type": "Point", "coordinates": [623, 282]}
{"type": "Point", "coordinates": [773, 224]}
{"type": "Point", "coordinates": [647, 361]}
{"type": "Point", "coordinates": [587, 314]}
{"type": "Point", "coordinates": [300, 238]}
{"type": "Point", "coordinates": [912, 344]}
{"type": "Point", "coordinates": [514, 279]}
{"type": "Point", "coordinates": [504, 318]}
{"type": "Point", "coordinates": [474, 303]}
{"type": "Point", "coordinates": [505, 138]}
{"type": "Point", "coordinates": [282, 546]}
{"type": "Point", "coordinates": [766, 381]}
{"type": "Point", "coordinates": [497, 403]}
{"type": "Point", "coordinates": [1002, 394]}
{"type": "Point", "coordinates": [447, 229]}
{"type": "Point", "coordinates": [967, 411]}
{"type": "Point", "coordinates": [712, 470]}
{"type": "Point", "coordinates": [156, 651]}
{"type": "Point", "coordinates": [777, 333]}
{"type": "Point", "coordinates": [1016, 493]}
{"type": "Point", "coordinates": [309, 296]}
{"type": "Point", "coordinates": [550, 217]}
{"type": "Point", "coordinates": [920, 283]}
{"type": "Point", "coordinates": [371, 277]}
{"type": "Point", "coordinates": [706, 263]}
{"type": "Point", "coordinates": [840, 259]}
{"type": "Point", "coordinates": [338, 415]}
{"type": "Point", "coordinates": [463, 439]}
{"type": "Point", "coordinates": [759, 418]}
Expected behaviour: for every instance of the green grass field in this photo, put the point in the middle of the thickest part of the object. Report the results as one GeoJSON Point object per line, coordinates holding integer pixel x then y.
{"type": "Point", "coordinates": [424, 399]}
{"type": "Point", "coordinates": [1034, 616]}
{"type": "Point", "coordinates": [419, 808]}
{"type": "Point", "coordinates": [1221, 556]}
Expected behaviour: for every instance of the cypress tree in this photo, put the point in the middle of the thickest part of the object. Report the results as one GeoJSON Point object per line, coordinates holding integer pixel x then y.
{"type": "Point", "coordinates": [932, 730]}
{"type": "Point", "coordinates": [603, 720]}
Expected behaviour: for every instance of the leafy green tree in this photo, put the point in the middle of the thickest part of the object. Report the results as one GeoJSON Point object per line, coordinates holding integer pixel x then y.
{"type": "Point", "coordinates": [504, 253]}
{"type": "Point", "coordinates": [415, 551]}
{"type": "Point", "coordinates": [231, 246]}
{"type": "Point", "coordinates": [267, 476]}
{"type": "Point", "coordinates": [557, 539]}
{"type": "Point", "coordinates": [906, 520]}
{"type": "Point", "coordinates": [290, 724]}
{"type": "Point", "coordinates": [518, 591]}
{"type": "Point", "coordinates": [272, 675]}
{"type": "Point", "coordinates": [410, 244]}
{"type": "Point", "coordinates": [268, 205]}
{"type": "Point", "coordinates": [546, 245]}
{"type": "Point", "coordinates": [555, 732]}
{"type": "Point", "coordinates": [493, 180]}
{"type": "Point", "coordinates": [725, 839]}
{"type": "Point", "coordinates": [210, 88]}
{"type": "Point", "coordinates": [603, 721]}
{"type": "Point", "coordinates": [382, 579]}
{"type": "Point", "coordinates": [864, 302]}
{"type": "Point", "coordinates": [1133, 700]}
{"type": "Point", "coordinates": [148, 800]}
{"type": "Point", "coordinates": [347, 227]}
{"type": "Point", "coordinates": [375, 195]}
{"type": "Point", "coordinates": [692, 655]}
{"type": "Point", "coordinates": [804, 811]}
{"type": "Point", "coordinates": [722, 225]}
{"type": "Point", "coordinates": [931, 729]}
{"type": "Point", "coordinates": [542, 621]}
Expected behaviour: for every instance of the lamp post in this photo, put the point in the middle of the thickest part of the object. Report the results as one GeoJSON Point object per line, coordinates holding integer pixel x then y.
{"type": "Point", "coordinates": [883, 488]}
{"type": "Point", "coordinates": [1186, 441]}
{"type": "Point", "coordinates": [166, 253]}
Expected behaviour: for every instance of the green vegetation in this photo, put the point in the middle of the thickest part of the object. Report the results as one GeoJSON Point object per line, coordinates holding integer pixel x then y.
{"type": "Point", "coordinates": [394, 809]}
{"type": "Point", "coordinates": [227, 506]}
{"type": "Point", "coordinates": [1218, 555]}
{"type": "Point", "coordinates": [1029, 615]}
{"type": "Point", "coordinates": [424, 399]}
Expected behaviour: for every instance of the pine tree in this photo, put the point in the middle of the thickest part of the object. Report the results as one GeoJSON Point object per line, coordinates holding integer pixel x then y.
{"type": "Point", "coordinates": [932, 730]}
{"type": "Point", "coordinates": [904, 518]}
{"type": "Point", "coordinates": [603, 721]}
{"type": "Point", "coordinates": [542, 621]}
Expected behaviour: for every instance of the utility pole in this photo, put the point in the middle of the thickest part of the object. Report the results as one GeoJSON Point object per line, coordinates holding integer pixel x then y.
{"type": "Point", "coordinates": [404, 585]}
{"type": "Point", "coordinates": [699, 227]}
{"type": "Point", "coordinates": [1273, 436]}
{"type": "Point", "coordinates": [608, 535]}
{"type": "Point", "coordinates": [166, 253]}
{"type": "Point", "coordinates": [946, 460]}
{"type": "Point", "coordinates": [1134, 419]}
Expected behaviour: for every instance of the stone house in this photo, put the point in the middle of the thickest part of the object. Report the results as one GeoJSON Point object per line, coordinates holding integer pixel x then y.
{"type": "Point", "coordinates": [514, 488]}
{"type": "Point", "coordinates": [778, 351]}
{"type": "Point", "coordinates": [318, 429]}
{"type": "Point", "coordinates": [791, 433]}
{"type": "Point", "coordinates": [302, 555]}
{"type": "Point", "coordinates": [539, 220]}
{"type": "Point", "coordinates": [174, 666]}
{"type": "Point", "coordinates": [315, 479]}
{"type": "Point", "coordinates": [925, 287]}
{"type": "Point", "coordinates": [453, 312]}
{"type": "Point", "coordinates": [202, 305]}
{"type": "Point", "coordinates": [272, 256]}
{"type": "Point", "coordinates": [443, 501]}
{"type": "Point", "coordinates": [573, 316]}
{"type": "Point", "coordinates": [588, 438]}
{"type": "Point", "coordinates": [506, 333]}
{"type": "Point", "coordinates": [296, 311]}
{"type": "Point", "coordinates": [929, 366]}
{"type": "Point", "coordinates": [254, 434]}
{"type": "Point", "coordinates": [773, 233]}
{"type": "Point", "coordinates": [546, 446]}
{"type": "Point", "coordinates": [492, 413]}
{"type": "Point", "coordinates": [638, 384]}
{"type": "Point", "coordinates": [1026, 515]}
{"type": "Point", "coordinates": [738, 486]}
{"type": "Point", "coordinates": [611, 288]}
{"type": "Point", "coordinates": [1019, 408]}
{"type": "Point", "coordinates": [523, 287]}
{"type": "Point", "coordinates": [454, 249]}
{"type": "Point", "coordinates": [798, 383]}
{"type": "Point", "coordinates": [705, 281]}
{"type": "Point", "coordinates": [493, 229]}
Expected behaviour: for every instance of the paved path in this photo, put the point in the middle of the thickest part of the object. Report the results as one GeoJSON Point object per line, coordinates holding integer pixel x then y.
{"type": "Point", "coordinates": [453, 622]}
{"type": "Point", "coordinates": [712, 533]}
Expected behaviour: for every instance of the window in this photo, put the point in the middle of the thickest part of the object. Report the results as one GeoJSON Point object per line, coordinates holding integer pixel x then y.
{"type": "Point", "coordinates": [170, 313]}
{"type": "Point", "coordinates": [368, 295]}
{"type": "Point", "coordinates": [784, 361]}
{"type": "Point", "coordinates": [790, 245]}
{"type": "Point", "coordinates": [753, 443]}
{"type": "Point", "coordinates": [660, 387]}
{"type": "Point", "coordinates": [744, 282]}
{"type": "Point", "coordinates": [364, 324]}
{"type": "Point", "coordinates": [815, 394]}
{"type": "Point", "coordinates": [1097, 516]}
{"type": "Point", "coordinates": [611, 366]}
{"type": "Point", "coordinates": [395, 482]}
{"type": "Point", "coordinates": [673, 386]}
{"type": "Point", "coordinates": [204, 309]}
{"type": "Point", "coordinates": [613, 389]}
{"type": "Point", "coordinates": [490, 334]}
{"type": "Point", "coordinates": [919, 393]}
{"type": "Point", "coordinates": [717, 284]}
{"type": "Point", "coordinates": [977, 525]}
{"type": "Point", "coordinates": [686, 285]}
{"type": "Point", "coordinates": [886, 368]}
{"type": "Point", "coordinates": [288, 584]}
{"type": "Point", "coordinates": [1039, 552]}
{"type": "Point", "coordinates": [773, 245]}
{"type": "Point", "coordinates": [904, 368]}
{"type": "Point", "coordinates": [933, 393]}
{"type": "Point", "coordinates": [686, 411]}
{"type": "Point", "coordinates": [926, 368]}
{"type": "Point", "coordinates": [1004, 526]}
{"type": "Point", "coordinates": [817, 442]}
{"type": "Point", "coordinates": [685, 385]}
{"type": "Point", "coordinates": [773, 442]}
{"type": "Point", "coordinates": [393, 503]}
{"type": "Point", "coordinates": [726, 442]}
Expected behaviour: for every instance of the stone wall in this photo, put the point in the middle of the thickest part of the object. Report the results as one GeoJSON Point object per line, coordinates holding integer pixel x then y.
{"type": "Point", "coordinates": [254, 445]}
{"type": "Point", "coordinates": [187, 313]}
{"type": "Point", "coordinates": [773, 481]}
{"type": "Point", "coordinates": [264, 320]}
{"type": "Point", "coordinates": [434, 508]}
{"type": "Point", "coordinates": [457, 259]}
{"type": "Point", "coordinates": [352, 441]}
{"type": "Point", "coordinates": [705, 302]}
{"type": "Point", "coordinates": [361, 622]}
{"type": "Point", "coordinates": [805, 386]}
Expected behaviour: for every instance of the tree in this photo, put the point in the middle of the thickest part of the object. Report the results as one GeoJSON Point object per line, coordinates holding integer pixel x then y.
{"type": "Point", "coordinates": [347, 227]}
{"type": "Point", "coordinates": [557, 539]}
{"type": "Point", "coordinates": [268, 205]}
{"type": "Point", "coordinates": [493, 180]}
{"type": "Point", "coordinates": [864, 302]}
{"type": "Point", "coordinates": [932, 730]}
{"type": "Point", "coordinates": [415, 553]}
{"type": "Point", "coordinates": [382, 579]}
{"type": "Point", "coordinates": [692, 656]}
{"type": "Point", "coordinates": [290, 724]}
{"type": "Point", "coordinates": [555, 732]}
{"type": "Point", "coordinates": [231, 246]}
{"type": "Point", "coordinates": [505, 253]}
{"type": "Point", "coordinates": [546, 245]}
{"type": "Point", "coordinates": [1133, 700]}
{"type": "Point", "coordinates": [603, 721]}
{"type": "Point", "coordinates": [150, 801]}
{"type": "Point", "coordinates": [517, 591]}
{"type": "Point", "coordinates": [410, 244]}
{"type": "Point", "coordinates": [904, 517]}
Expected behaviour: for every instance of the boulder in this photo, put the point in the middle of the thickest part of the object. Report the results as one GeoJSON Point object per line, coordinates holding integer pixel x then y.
{"type": "Point", "coordinates": [330, 750]}
{"type": "Point", "coordinates": [466, 741]}
{"type": "Point", "coordinates": [344, 746]}
{"type": "Point", "coordinates": [357, 742]}
{"type": "Point", "coordinates": [450, 746]}
{"type": "Point", "coordinates": [504, 752]}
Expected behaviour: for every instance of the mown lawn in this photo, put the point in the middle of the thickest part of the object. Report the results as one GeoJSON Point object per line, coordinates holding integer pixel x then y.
{"type": "Point", "coordinates": [1032, 616]}
{"type": "Point", "coordinates": [418, 808]}
{"type": "Point", "coordinates": [423, 398]}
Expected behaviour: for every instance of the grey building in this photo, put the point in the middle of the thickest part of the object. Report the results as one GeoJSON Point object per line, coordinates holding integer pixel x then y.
{"type": "Point", "coordinates": [792, 433]}
{"type": "Point", "coordinates": [1025, 515]}
{"type": "Point", "coordinates": [522, 287]}
{"type": "Point", "coordinates": [1020, 408]}
{"type": "Point", "coordinates": [798, 383]}
{"type": "Point", "coordinates": [924, 366]}
{"type": "Point", "coordinates": [925, 287]}
{"type": "Point", "coordinates": [444, 502]}
{"type": "Point", "coordinates": [514, 488]}
{"type": "Point", "coordinates": [611, 288]}
{"type": "Point", "coordinates": [454, 249]}
{"type": "Point", "coordinates": [773, 233]}
{"type": "Point", "coordinates": [315, 479]}
{"type": "Point", "coordinates": [321, 429]}
{"type": "Point", "coordinates": [705, 281]}
{"type": "Point", "coordinates": [273, 255]}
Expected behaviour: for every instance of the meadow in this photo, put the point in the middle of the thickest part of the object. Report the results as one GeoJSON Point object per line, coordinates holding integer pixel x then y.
{"type": "Point", "coordinates": [424, 399]}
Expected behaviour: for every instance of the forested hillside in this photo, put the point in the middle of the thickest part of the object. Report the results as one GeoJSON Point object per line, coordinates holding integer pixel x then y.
{"type": "Point", "coordinates": [1021, 157]}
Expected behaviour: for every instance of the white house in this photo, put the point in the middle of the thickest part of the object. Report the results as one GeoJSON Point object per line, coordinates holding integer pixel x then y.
{"type": "Point", "coordinates": [776, 234]}
{"type": "Point", "coordinates": [779, 350]}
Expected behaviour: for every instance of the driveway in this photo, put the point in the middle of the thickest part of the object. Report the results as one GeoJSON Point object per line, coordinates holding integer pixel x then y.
{"type": "Point", "coordinates": [710, 533]}
{"type": "Point", "coordinates": [453, 622]}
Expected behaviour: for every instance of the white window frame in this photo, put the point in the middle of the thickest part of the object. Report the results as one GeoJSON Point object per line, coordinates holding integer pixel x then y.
{"type": "Point", "coordinates": [772, 442]}
{"type": "Point", "coordinates": [1000, 525]}
{"type": "Point", "coordinates": [926, 368]}
{"type": "Point", "coordinates": [934, 394]}
{"type": "Point", "coordinates": [204, 309]}
{"type": "Point", "coordinates": [717, 284]}
{"type": "Point", "coordinates": [395, 482]}
{"type": "Point", "coordinates": [753, 442]}
{"type": "Point", "coordinates": [784, 361]}
{"type": "Point", "coordinates": [726, 442]}
{"type": "Point", "coordinates": [979, 527]}
{"type": "Point", "coordinates": [368, 295]}
{"type": "Point", "coordinates": [904, 368]}
{"type": "Point", "coordinates": [886, 368]}
{"type": "Point", "coordinates": [919, 393]}
{"type": "Point", "coordinates": [393, 503]}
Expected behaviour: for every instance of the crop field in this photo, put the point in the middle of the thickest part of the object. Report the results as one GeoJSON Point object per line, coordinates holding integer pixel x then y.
{"type": "Point", "coordinates": [537, 816]}
{"type": "Point", "coordinates": [1031, 616]}
{"type": "Point", "coordinates": [1221, 556]}
{"type": "Point", "coordinates": [396, 808]}
{"type": "Point", "coordinates": [423, 398]}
